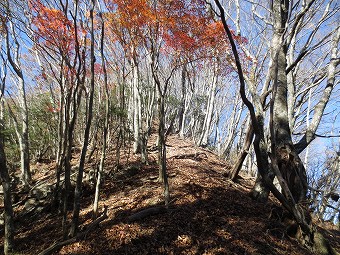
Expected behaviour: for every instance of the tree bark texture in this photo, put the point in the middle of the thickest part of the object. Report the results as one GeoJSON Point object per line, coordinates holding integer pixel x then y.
{"type": "Point", "coordinates": [8, 212]}
{"type": "Point", "coordinates": [106, 122]}
{"type": "Point", "coordinates": [163, 177]}
{"type": "Point", "coordinates": [243, 154]}
{"type": "Point", "coordinates": [78, 189]}
{"type": "Point", "coordinates": [13, 59]}
{"type": "Point", "coordinates": [289, 163]}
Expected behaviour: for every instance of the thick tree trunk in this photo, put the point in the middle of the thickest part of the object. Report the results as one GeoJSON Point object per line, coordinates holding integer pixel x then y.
{"type": "Point", "coordinates": [289, 163]}
{"type": "Point", "coordinates": [284, 157]}
{"type": "Point", "coordinates": [260, 191]}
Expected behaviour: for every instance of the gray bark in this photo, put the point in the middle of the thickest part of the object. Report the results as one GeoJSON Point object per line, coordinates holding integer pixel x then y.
{"type": "Point", "coordinates": [210, 108]}
{"type": "Point", "coordinates": [78, 189]}
{"type": "Point", "coordinates": [8, 212]}
{"type": "Point", "coordinates": [13, 58]}
{"type": "Point", "coordinates": [309, 135]}
{"type": "Point", "coordinates": [5, 179]}
{"type": "Point", "coordinates": [106, 124]}
{"type": "Point", "coordinates": [243, 154]}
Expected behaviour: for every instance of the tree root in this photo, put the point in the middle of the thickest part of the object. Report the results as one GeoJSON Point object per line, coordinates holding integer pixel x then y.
{"type": "Point", "coordinates": [146, 213]}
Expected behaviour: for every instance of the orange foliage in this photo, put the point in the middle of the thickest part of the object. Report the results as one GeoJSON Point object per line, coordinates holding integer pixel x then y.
{"type": "Point", "coordinates": [52, 27]}
{"type": "Point", "coordinates": [185, 27]}
{"type": "Point", "coordinates": [179, 27]}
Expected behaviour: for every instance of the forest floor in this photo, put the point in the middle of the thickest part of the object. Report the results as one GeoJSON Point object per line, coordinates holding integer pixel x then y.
{"type": "Point", "coordinates": [208, 213]}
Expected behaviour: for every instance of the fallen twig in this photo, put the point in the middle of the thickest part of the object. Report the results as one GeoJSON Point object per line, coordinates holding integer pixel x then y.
{"type": "Point", "coordinates": [78, 237]}
{"type": "Point", "coordinates": [194, 156]}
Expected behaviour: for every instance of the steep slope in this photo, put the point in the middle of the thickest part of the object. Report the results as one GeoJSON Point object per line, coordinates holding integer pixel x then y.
{"type": "Point", "coordinates": [208, 213]}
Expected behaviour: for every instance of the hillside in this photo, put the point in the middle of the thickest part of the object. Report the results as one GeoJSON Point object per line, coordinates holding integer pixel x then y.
{"type": "Point", "coordinates": [208, 213]}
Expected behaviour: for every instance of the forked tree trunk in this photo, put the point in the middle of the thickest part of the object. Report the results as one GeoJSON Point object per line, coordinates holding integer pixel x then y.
{"type": "Point", "coordinates": [319, 109]}
{"type": "Point", "coordinates": [284, 160]}
{"type": "Point", "coordinates": [13, 58]}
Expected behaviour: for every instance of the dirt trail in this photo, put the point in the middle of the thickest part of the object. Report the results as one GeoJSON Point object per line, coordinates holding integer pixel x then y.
{"type": "Point", "coordinates": [208, 214]}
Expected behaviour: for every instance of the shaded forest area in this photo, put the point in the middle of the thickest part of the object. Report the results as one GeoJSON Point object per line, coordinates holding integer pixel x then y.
{"type": "Point", "coordinates": [208, 213]}
{"type": "Point", "coordinates": [169, 126]}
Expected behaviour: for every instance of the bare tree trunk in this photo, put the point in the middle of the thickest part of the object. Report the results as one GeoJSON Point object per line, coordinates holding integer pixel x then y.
{"type": "Point", "coordinates": [282, 141]}
{"type": "Point", "coordinates": [162, 90]}
{"type": "Point", "coordinates": [136, 107]}
{"type": "Point", "coordinates": [23, 135]}
{"type": "Point", "coordinates": [209, 110]}
{"type": "Point", "coordinates": [78, 189]}
{"type": "Point", "coordinates": [106, 124]}
{"type": "Point", "coordinates": [182, 104]}
{"type": "Point", "coordinates": [5, 179]}
{"type": "Point", "coordinates": [232, 127]}
{"type": "Point", "coordinates": [309, 135]}
{"type": "Point", "coordinates": [8, 212]}
{"type": "Point", "coordinates": [24, 145]}
{"type": "Point", "coordinates": [5, 182]}
{"type": "Point", "coordinates": [162, 150]}
{"type": "Point", "coordinates": [243, 154]}
{"type": "Point", "coordinates": [68, 131]}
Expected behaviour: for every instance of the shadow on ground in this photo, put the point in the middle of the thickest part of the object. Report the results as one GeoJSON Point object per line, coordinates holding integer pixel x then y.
{"type": "Point", "coordinates": [218, 221]}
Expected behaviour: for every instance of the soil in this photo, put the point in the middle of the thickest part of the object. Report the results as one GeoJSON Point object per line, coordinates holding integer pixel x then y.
{"type": "Point", "coordinates": [208, 214]}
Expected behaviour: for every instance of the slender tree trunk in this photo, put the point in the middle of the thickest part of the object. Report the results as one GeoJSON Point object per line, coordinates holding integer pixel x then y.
{"type": "Point", "coordinates": [23, 135]}
{"type": "Point", "coordinates": [232, 127]}
{"type": "Point", "coordinates": [209, 111]}
{"type": "Point", "coordinates": [136, 108]}
{"type": "Point", "coordinates": [106, 124]}
{"type": "Point", "coordinates": [5, 179]}
{"type": "Point", "coordinates": [182, 132]}
{"type": "Point", "coordinates": [309, 135]}
{"type": "Point", "coordinates": [24, 145]}
{"type": "Point", "coordinates": [65, 161]}
{"type": "Point", "coordinates": [61, 146]}
{"type": "Point", "coordinates": [162, 150]}
{"type": "Point", "coordinates": [243, 154]}
{"type": "Point", "coordinates": [78, 189]}
{"type": "Point", "coordinates": [8, 212]}
{"type": "Point", "coordinates": [182, 105]}
{"type": "Point", "coordinates": [71, 114]}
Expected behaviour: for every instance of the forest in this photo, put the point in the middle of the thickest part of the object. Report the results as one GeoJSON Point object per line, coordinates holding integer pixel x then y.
{"type": "Point", "coordinates": [126, 118]}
